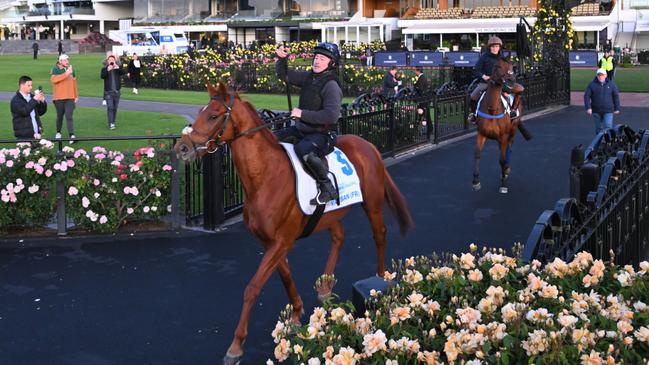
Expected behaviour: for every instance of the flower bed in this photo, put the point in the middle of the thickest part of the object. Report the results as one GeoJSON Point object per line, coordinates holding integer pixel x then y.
{"type": "Point", "coordinates": [26, 184]}
{"type": "Point", "coordinates": [253, 71]}
{"type": "Point", "coordinates": [104, 189]}
{"type": "Point", "coordinates": [484, 309]}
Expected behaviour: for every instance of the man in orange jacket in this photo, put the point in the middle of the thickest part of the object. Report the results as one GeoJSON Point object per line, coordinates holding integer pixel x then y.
{"type": "Point", "coordinates": [64, 94]}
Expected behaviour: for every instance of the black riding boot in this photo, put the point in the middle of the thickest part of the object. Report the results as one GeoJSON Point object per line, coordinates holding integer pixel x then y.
{"type": "Point", "coordinates": [326, 190]}
{"type": "Point", "coordinates": [473, 105]}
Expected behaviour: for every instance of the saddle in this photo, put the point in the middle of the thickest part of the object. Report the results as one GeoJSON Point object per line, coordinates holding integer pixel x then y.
{"type": "Point", "coordinates": [506, 102]}
{"type": "Point", "coordinates": [338, 165]}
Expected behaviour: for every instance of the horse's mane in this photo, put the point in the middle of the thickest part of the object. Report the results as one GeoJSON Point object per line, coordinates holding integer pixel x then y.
{"type": "Point", "coordinates": [253, 113]}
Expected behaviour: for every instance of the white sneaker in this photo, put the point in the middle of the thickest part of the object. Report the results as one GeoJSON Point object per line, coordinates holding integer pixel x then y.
{"type": "Point", "coordinates": [136, 92]}
{"type": "Point", "coordinates": [112, 126]}
{"type": "Point", "coordinates": [58, 136]}
{"type": "Point", "coordinates": [72, 137]}
{"type": "Point", "coordinates": [103, 102]}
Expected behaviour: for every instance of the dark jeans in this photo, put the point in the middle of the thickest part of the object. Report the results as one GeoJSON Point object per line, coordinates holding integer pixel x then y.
{"type": "Point", "coordinates": [136, 82]}
{"type": "Point", "coordinates": [320, 143]}
{"type": "Point", "coordinates": [35, 54]}
{"type": "Point", "coordinates": [112, 101]}
{"type": "Point", "coordinates": [65, 106]}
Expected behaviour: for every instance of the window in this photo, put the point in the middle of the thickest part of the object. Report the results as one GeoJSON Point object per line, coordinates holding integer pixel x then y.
{"type": "Point", "coordinates": [156, 36]}
{"type": "Point", "coordinates": [138, 39]}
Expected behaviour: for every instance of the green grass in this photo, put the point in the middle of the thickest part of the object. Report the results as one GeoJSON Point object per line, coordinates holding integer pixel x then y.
{"type": "Point", "coordinates": [627, 79]}
{"type": "Point", "coordinates": [87, 68]}
{"type": "Point", "coordinates": [92, 122]}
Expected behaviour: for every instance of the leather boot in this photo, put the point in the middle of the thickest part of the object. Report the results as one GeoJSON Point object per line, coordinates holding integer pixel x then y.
{"type": "Point", "coordinates": [473, 104]}
{"type": "Point", "coordinates": [326, 190]}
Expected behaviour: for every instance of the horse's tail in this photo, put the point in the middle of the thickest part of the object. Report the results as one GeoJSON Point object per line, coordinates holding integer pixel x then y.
{"type": "Point", "coordinates": [398, 205]}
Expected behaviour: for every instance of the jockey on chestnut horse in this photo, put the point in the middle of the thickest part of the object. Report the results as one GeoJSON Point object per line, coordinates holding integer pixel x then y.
{"type": "Point", "coordinates": [271, 210]}
{"type": "Point", "coordinates": [482, 71]}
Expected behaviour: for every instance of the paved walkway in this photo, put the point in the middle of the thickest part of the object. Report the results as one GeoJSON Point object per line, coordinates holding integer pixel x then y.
{"type": "Point", "coordinates": [188, 111]}
{"type": "Point", "coordinates": [175, 298]}
{"type": "Point", "coordinates": [626, 99]}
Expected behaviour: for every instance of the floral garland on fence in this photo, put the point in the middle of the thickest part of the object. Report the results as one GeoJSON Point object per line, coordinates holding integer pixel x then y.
{"type": "Point", "coordinates": [553, 29]}
{"type": "Point", "coordinates": [105, 189]}
{"type": "Point", "coordinates": [484, 308]}
{"type": "Point", "coordinates": [183, 72]}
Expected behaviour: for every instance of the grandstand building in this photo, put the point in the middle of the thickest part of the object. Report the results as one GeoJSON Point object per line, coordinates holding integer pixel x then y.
{"type": "Point", "coordinates": [415, 24]}
{"type": "Point", "coordinates": [59, 19]}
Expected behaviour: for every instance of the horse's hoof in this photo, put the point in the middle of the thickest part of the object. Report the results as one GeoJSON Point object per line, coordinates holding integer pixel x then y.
{"type": "Point", "coordinates": [477, 186]}
{"type": "Point", "coordinates": [504, 190]}
{"type": "Point", "coordinates": [232, 360]}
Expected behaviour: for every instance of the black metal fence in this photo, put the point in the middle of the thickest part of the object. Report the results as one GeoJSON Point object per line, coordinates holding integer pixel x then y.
{"type": "Point", "coordinates": [608, 210]}
{"type": "Point", "coordinates": [392, 125]}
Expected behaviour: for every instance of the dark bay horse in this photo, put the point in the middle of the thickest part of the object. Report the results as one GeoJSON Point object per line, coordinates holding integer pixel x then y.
{"type": "Point", "coordinates": [271, 211]}
{"type": "Point", "coordinates": [495, 123]}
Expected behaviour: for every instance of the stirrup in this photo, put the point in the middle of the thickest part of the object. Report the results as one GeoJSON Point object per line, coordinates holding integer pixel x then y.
{"type": "Point", "coordinates": [332, 196]}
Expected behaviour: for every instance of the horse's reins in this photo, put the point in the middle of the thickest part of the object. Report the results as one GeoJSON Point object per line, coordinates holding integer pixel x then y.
{"type": "Point", "coordinates": [214, 136]}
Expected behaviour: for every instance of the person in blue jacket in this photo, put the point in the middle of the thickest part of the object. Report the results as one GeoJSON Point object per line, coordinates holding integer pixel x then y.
{"type": "Point", "coordinates": [602, 100]}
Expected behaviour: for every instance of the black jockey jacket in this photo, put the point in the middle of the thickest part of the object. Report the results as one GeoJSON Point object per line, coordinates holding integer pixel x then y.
{"type": "Point", "coordinates": [485, 65]}
{"type": "Point", "coordinates": [320, 98]}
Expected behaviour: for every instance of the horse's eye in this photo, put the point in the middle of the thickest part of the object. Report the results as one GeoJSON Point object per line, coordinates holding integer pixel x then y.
{"type": "Point", "coordinates": [213, 117]}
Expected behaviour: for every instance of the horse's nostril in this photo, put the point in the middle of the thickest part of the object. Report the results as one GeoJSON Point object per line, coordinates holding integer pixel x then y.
{"type": "Point", "coordinates": [184, 148]}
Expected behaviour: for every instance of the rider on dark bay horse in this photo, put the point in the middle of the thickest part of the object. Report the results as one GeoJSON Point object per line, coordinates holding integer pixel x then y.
{"type": "Point", "coordinates": [483, 70]}
{"type": "Point", "coordinates": [314, 132]}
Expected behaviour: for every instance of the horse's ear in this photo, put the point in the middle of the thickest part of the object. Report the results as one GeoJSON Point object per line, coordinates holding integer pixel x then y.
{"type": "Point", "coordinates": [222, 90]}
{"type": "Point", "coordinates": [211, 89]}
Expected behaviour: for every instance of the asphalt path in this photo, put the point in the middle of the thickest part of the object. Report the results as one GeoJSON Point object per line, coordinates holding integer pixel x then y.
{"type": "Point", "coordinates": [188, 111]}
{"type": "Point", "coordinates": [174, 298]}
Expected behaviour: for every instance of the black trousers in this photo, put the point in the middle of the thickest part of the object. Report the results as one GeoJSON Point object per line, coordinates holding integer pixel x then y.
{"type": "Point", "coordinates": [320, 143]}
{"type": "Point", "coordinates": [112, 101]}
{"type": "Point", "coordinates": [64, 107]}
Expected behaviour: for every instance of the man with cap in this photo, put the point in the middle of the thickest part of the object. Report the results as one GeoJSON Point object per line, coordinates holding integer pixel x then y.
{"type": "Point", "coordinates": [64, 94]}
{"type": "Point", "coordinates": [316, 117]}
{"type": "Point", "coordinates": [602, 100]}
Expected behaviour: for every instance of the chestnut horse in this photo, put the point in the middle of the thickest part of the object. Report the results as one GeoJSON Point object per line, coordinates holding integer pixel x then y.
{"type": "Point", "coordinates": [271, 211]}
{"type": "Point", "coordinates": [495, 123]}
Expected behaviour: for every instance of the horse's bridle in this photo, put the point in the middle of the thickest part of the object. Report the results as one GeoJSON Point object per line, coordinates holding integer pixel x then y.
{"type": "Point", "coordinates": [214, 136]}
{"type": "Point", "coordinates": [502, 81]}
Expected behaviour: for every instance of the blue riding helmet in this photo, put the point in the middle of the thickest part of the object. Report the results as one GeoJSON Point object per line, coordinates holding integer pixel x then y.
{"type": "Point", "coordinates": [330, 50]}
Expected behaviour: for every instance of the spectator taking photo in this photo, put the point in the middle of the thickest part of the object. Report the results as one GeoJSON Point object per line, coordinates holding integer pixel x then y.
{"type": "Point", "coordinates": [26, 109]}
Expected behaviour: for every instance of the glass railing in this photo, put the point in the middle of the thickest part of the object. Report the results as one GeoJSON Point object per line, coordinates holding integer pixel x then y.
{"type": "Point", "coordinates": [642, 4]}
{"type": "Point", "coordinates": [52, 12]}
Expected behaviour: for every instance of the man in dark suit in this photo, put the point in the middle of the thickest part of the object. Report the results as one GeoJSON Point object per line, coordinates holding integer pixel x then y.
{"type": "Point", "coordinates": [390, 82]}
{"type": "Point", "coordinates": [422, 91]}
{"type": "Point", "coordinates": [422, 86]}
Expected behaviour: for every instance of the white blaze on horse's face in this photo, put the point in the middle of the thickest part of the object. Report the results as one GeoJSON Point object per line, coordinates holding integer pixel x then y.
{"type": "Point", "coordinates": [187, 130]}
